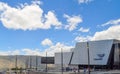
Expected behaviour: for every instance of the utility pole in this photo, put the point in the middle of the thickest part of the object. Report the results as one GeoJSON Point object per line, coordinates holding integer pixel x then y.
{"type": "Point", "coordinates": [61, 61]}
{"type": "Point", "coordinates": [46, 62]}
{"type": "Point", "coordinates": [36, 62]}
{"type": "Point", "coordinates": [30, 62]}
{"type": "Point", "coordinates": [26, 64]}
{"type": "Point", "coordinates": [16, 64]}
{"type": "Point", "coordinates": [27, 60]}
{"type": "Point", "coordinates": [119, 54]}
{"type": "Point", "coordinates": [88, 58]}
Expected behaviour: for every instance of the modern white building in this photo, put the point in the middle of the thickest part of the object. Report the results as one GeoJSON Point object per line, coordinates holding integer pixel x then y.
{"type": "Point", "coordinates": [99, 54]}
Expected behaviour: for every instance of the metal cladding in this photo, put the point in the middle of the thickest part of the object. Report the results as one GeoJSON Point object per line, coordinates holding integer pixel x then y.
{"type": "Point", "coordinates": [99, 53]}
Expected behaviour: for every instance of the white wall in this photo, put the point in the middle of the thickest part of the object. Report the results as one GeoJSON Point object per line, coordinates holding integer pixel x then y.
{"type": "Point", "coordinates": [80, 56]}
{"type": "Point", "coordinates": [96, 48]}
{"type": "Point", "coordinates": [66, 57]}
{"type": "Point", "coordinates": [100, 48]}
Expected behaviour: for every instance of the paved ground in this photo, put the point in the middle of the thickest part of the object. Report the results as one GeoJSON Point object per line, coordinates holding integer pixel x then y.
{"type": "Point", "coordinates": [95, 72]}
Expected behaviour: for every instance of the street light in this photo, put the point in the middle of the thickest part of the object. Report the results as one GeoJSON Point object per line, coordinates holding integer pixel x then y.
{"type": "Point", "coordinates": [88, 58]}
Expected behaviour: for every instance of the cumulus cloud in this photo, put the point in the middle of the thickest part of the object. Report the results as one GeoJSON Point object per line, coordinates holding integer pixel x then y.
{"type": "Point", "coordinates": [4, 53]}
{"type": "Point", "coordinates": [72, 21]}
{"type": "Point", "coordinates": [83, 38]}
{"type": "Point", "coordinates": [84, 29]}
{"type": "Point", "coordinates": [84, 1]}
{"type": "Point", "coordinates": [14, 52]}
{"type": "Point", "coordinates": [28, 51]}
{"type": "Point", "coordinates": [57, 48]}
{"type": "Point", "coordinates": [112, 32]}
{"type": "Point", "coordinates": [112, 22]}
{"type": "Point", "coordinates": [50, 50]}
{"type": "Point", "coordinates": [24, 51]}
{"type": "Point", "coordinates": [54, 47]}
{"type": "Point", "coordinates": [27, 17]}
{"type": "Point", "coordinates": [51, 20]}
{"type": "Point", "coordinates": [47, 42]}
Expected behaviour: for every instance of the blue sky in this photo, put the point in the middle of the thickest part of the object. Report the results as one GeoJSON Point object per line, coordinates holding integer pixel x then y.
{"type": "Point", "coordinates": [38, 26]}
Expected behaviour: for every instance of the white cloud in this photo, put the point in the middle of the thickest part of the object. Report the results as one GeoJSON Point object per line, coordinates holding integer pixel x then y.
{"type": "Point", "coordinates": [37, 2]}
{"type": "Point", "coordinates": [84, 1]}
{"type": "Point", "coordinates": [112, 22]}
{"type": "Point", "coordinates": [27, 17]}
{"type": "Point", "coordinates": [57, 48]}
{"type": "Point", "coordinates": [25, 51]}
{"type": "Point", "coordinates": [112, 32]}
{"type": "Point", "coordinates": [83, 29]}
{"type": "Point", "coordinates": [72, 21]}
{"type": "Point", "coordinates": [28, 51]}
{"type": "Point", "coordinates": [4, 53]}
{"type": "Point", "coordinates": [83, 38]}
{"type": "Point", "coordinates": [47, 42]}
{"type": "Point", "coordinates": [14, 52]}
{"type": "Point", "coordinates": [51, 20]}
{"type": "Point", "coordinates": [50, 50]}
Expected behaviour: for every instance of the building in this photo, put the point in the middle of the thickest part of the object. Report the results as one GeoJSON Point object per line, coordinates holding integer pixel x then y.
{"type": "Point", "coordinates": [97, 54]}
{"type": "Point", "coordinates": [21, 61]}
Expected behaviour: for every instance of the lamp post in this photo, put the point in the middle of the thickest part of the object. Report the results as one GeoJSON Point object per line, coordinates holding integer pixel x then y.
{"type": "Point", "coordinates": [61, 61]}
{"type": "Point", "coordinates": [88, 57]}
